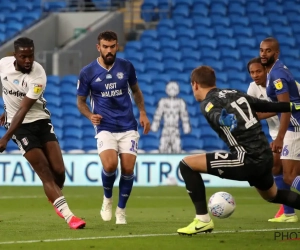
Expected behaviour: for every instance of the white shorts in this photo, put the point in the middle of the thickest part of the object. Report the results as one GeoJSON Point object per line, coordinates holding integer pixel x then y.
{"type": "Point", "coordinates": [125, 142]}
{"type": "Point", "coordinates": [291, 146]}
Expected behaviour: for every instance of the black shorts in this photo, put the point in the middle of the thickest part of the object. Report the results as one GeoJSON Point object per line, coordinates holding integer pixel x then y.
{"type": "Point", "coordinates": [242, 167]}
{"type": "Point", "coordinates": [33, 135]}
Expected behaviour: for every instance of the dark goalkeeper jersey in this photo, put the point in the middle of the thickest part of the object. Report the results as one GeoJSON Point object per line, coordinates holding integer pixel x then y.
{"type": "Point", "coordinates": [248, 137]}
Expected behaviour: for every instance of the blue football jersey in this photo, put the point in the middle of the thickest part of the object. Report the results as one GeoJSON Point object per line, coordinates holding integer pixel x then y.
{"type": "Point", "coordinates": [109, 94]}
{"type": "Point", "coordinates": [279, 81]}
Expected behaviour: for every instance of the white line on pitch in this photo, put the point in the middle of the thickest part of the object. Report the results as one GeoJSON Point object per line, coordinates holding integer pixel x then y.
{"type": "Point", "coordinates": [141, 236]}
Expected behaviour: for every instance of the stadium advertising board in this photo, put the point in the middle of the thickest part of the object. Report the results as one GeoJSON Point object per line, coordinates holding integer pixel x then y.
{"type": "Point", "coordinates": [85, 170]}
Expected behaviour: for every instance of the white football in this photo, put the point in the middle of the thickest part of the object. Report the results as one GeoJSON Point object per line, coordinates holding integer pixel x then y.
{"type": "Point", "coordinates": [221, 205]}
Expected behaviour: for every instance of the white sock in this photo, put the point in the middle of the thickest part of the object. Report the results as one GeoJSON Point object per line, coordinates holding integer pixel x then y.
{"type": "Point", "coordinates": [203, 217]}
{"type": "Point", "coordinates": [62, 206]}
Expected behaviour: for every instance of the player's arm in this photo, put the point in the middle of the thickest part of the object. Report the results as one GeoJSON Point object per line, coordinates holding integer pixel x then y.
{"type": "Point", "coordinates": [83, 90]}
{"type": "Point", "coordinates": [251, 91]}
{"type": "Point", "coordinates": [211, 112]}
{"type": "Point", "coordinates": [36, 88]}
{"type": "Point", "coordinates": [138, 98]}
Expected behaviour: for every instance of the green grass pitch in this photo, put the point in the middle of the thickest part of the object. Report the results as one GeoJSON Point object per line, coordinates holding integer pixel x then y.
{"type": "Point", "coordinates": [27, 221]}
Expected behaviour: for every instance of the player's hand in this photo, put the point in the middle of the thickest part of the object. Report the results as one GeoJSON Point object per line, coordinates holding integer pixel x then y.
{"type": "Point", "coordinates": [145, 123]}
{"type": "Point", "coordinates": [228, 120]}
{"type": "Point", "coordinates": [95, 119]}
{"type": "Point", "coordinates": [2, 119]}
{"type": "Point", "coordinates": [3, 144]}
{"type": "Point", "coordinates": [277, 145]}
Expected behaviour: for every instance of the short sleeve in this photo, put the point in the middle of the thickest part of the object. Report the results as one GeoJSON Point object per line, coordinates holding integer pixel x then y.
{"type": "Point", "coordinates": [83, 86]}
{"type": "Point", "coordinates": [36, 87]}
{"type": "Point", "coordinates": [132, 79]}
{"type": "Point", "coordinates": [280, 83]}
{"type": "Point", "coordinates": [251, 90]}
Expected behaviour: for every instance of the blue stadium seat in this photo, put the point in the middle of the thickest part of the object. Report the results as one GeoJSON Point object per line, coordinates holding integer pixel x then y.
{"type": "Point", "coordinates": [250, 53]}
{"type": "Point", "coordinates": [72, 133]}
{"type": "Point", "coordinates": [167, 33]}
{"type": "Point", "coordinates": [53, 80]}
{"type": "Point", "coordinates": [72, 143]}
{"type": "Point", "coordinates": [54, 110]}
{"type": "Point", "coordinates": [147, 78]}
{"type": "Point", "coordinates": [234, 64]}
{"type": "Point", "coordinates": [221, 2]}
{"type": "Point", "coordinates": [54, 90]}
{"type": "Point", "coordinates": [230, 53]}
{"type": "Point", "coordinates": [13, 28]}
{"type": "Point", "coordinates": [155, 45]}
{"type": "Point", "coordinates": [145, 88]}
{"type": "Point", "coordinates": [182, 79]}
{"type": "Point", "coordinates": [165, 24]}
{"type": "Point", "coordinates": [239, 20]}
{"type": "Point", "coordinates": [159, 87]}
{"type": "Point", "coordinates": [284, 40]}
{"type": "Point", "coordinates": [164, 9]}
{"type": "Point", "coordinates": [209, 53]}
{"type": "Point", "coordinates": [148, 10]}
{"type": "Point", "coordinates": [207, 131]}
{"type": "Point", "coordinates": [2, 27]}
{"type": "Point", "coordinates": [196, 132]}
{"type": "Point", "coordinates": [31, 17]}
{"type": "Point", "coordinates": [223, 31]}
{"type": "Point", "coordinates": [190, 64]}
{"type": "Point", "coordinates": [282, 30]}
{"type": "Point", "coordinates": [72, 121]}
{"type": "Point", "coordinates": [154, 67]}
{"type": "Point", "coordinates": [204, 2]}
{"type": "Point", "coordinates": [185, 33]}
{"type": "Point", "coordinates": [262, 30]}
{"type": "Point", "coordinates": [236, 9]}
{"type": "Point", "coordinates": [185, 88]}
{"type": "Point", "coordinates": [222, 76]}
{"type": "Point", "coordinates": [183, 3]}
{"type": "Point", "coordinates": [151, 111]}
{"type": "Point", "coordinates": [227, 43]}
{"type": "Point", "coordinates": [186, 23]}
{"type": "Point", "coordinates": [193, 110]}
{"type": "Point", "coordinates": [8, 7]}
{"type": "Point", "coordinates": [214, 63]}
{"type": "Point", "coordinates": [164, 78]}
{"type": "Point", "coordinates": [54, 6]}
{"type": "Point", "coordinates": [247, 43]}
{"type": "Point", "coordinates": [149, 143]}
{"type": "Point", "coordinates": [220, 20]}
{"type": "Point", "coordinates": [192, 43]}
{"type": "Point", "coordinates": [258, 19]}
{"type": "Point", "coordinates": [194, 122]}
{"type": "Point", "coordinates": [69, 109]}
{"type": "Point", "coordinates": [271, 7]}
{"type": "Point", "coordinates": [292, 8]}
{"type": "Point", "coordinates": [181, 11]}
{"type": "Point", "coordinates": [191, 144]}
{"type": "Point", "coordinates": [205, 42]}
{"type": "Point", "coordinates": [154, 55]}
{"type": "Point", "coordinates": [254, 8]}
{"type": "Point", "coordinates": [69, 79]}
{"type": "Point", "coordinates": [218, 9]}
{"type": "Point", "coordinates": [168, 54]}
{"type": "Point", "coordinates": [203, 21]}
{"type": "Point", "coordinates": [134, 45]}
{"type": "Point", "coordinates": [53, 99]}
{"type": "Point", "coordinates": [14, 17]}
{"type": "Point", "coordinates": [211, 144]}
{"type": "Point", "coordinates": [189, 100]}
{"type": "Point", "coordinates": [149, 34]}
{"type": "Point", "coordinates": [88, 131]}
{"type": "Point", "coordinates": [199, 10]}
{"type": "Point", "coordinates": [204, 32]}
{"type": "Point", "coordinates": [172, 67]}
{"type": "Point", "coordinates": [11, 146]}
{"type": "Point", "coordinates": [192, 54]}
{"type": "Point", "coordinates": [89, 143]}
{"type": "Point", "coordinates": [296, 27]}
{"type": "Point", "coordinates": [273, 19]}
{"type": "Point", "coordinates": [150, 100]}
{"type": "Point", "coordinates": [57, 122]}
{"type": "Point", "coordinates": [171, 44]}
{"type": "Point", "coordinates": [137, 56]}
{"type": "Point", "coordinates": [140, 68]}
{"type": "Point", "coordinates": [235, 75]}
{"type": "Point", "coordinates": [241, 31]}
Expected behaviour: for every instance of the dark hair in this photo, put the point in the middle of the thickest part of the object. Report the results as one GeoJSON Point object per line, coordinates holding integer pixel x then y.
{"type": "Point", "coordinates": [23, 42]}
{"type": "Point", "coordinates": [254, 60]}
{"type": "Point", "coordinates": [205, 76]}
{"type": "Point", "coordinates": [107, 35]}
{"type": "Point", "coordinates": [274, 41]}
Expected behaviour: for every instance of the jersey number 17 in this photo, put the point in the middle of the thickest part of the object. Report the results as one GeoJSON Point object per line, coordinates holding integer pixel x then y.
{"type": "Point", "coordinates": [249, 121]}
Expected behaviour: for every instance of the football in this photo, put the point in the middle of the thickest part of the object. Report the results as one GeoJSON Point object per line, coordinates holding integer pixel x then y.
{"type": "Point", "coordinates": [221, 205]}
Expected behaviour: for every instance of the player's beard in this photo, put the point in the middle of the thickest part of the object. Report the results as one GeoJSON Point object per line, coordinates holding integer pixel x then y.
{"type": "Point", "coordinates": [109, 61]}
{"type": "Point", "coordinates": [270, 61]}
{"type": "Point", "coordinates": [23, 70]}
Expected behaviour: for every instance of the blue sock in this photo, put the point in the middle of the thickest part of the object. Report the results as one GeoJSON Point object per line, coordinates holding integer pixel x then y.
{"type": "Point", "coordinates": [282, 185]}
{"type": "Point", "coordinates": [296, 183]}
{"type": "Point", "coordinates": [108, 180]}
{"type": "Point", "coordinates": [125, 187]}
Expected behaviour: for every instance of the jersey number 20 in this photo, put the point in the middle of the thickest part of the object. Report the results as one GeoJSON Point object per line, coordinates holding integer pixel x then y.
{"type": "Point", "coordinates": [249, 121]}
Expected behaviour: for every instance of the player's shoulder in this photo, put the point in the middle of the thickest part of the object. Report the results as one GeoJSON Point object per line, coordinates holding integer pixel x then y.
{"type": "Point", "coordinates": [37, 70]}
{"type": "Point", "coordinates": [90, 66]}
{"type": "Point", "coordinates": [8, 60]}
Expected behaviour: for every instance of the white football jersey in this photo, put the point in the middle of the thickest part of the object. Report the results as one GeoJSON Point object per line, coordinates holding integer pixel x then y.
{"type": "Point", "coordinates": [16, 85]}
{"type": "Point", "coordinates": [260, 92]}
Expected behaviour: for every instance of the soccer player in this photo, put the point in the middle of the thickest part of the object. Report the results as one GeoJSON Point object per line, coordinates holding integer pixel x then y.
{"type": "Point", "coordinates": [107, 80]}
{"type": "Point", "coordinates": [257, 88]}
{"type": "Point", "coordinates": [28, 123]}
{"type": "Point", "coordinates": [232, 114]}
{"type": "Point", "coordinates": [281, 86]}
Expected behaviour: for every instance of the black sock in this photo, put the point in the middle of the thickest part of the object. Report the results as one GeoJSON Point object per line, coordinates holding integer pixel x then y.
{"type": "Point", "coordinates": [287, 197]}
{"type": "Point", "coordinates": [195, 187]}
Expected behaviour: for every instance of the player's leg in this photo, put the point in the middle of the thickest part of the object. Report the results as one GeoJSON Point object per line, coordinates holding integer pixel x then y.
{"type": "Point", "coordinates": [190, 169]}
{"type": "Point", "coordinates": [107, 150]}
{"type": "Point", "coordinates": [128, 145]}
{"type": "Point", "coordinates": [40, 164]}
{"type": "Point", "coordinates": [278, 178]}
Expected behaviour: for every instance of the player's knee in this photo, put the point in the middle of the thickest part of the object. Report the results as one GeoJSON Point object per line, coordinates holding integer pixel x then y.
{"type": "Point", "coordinates": [43, 171]}
{"type": "Point", "coordinates": [288, 178]}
